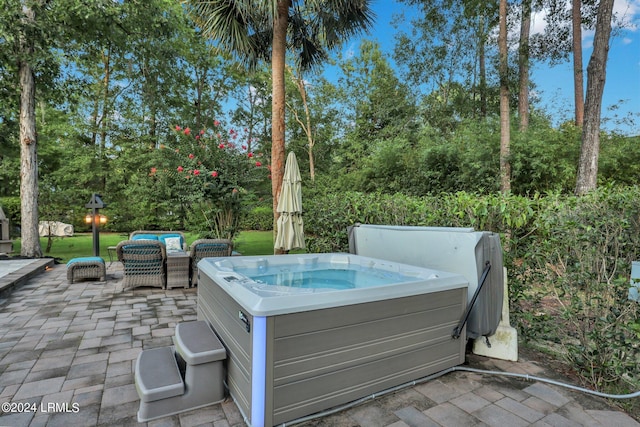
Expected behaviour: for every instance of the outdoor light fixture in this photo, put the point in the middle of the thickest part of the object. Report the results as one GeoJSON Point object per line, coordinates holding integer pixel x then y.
{"type": "Point", "coordinates": [101, 219]}
{"type": "Point", "coordinates": [95, 219]}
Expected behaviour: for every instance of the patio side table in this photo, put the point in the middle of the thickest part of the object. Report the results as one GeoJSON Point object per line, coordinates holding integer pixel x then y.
{"type": "Point", "coordinates": [177, 270]}
{"type": "Point", "coordinates": [111, 251]}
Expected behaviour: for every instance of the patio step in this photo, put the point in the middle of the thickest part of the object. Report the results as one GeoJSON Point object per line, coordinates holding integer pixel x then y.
{"type": "Point", "coordinates": [157, 375]}
{"type": "Point", "coordinates": [197, 343]}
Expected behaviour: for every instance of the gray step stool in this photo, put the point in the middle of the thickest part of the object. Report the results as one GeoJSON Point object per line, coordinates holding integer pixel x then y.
{"type": "Point", "coordinates": [170, 380]}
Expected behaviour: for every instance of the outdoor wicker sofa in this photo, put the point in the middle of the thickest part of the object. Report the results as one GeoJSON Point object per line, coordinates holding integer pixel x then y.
{"type": "Point", "coordinates": [143, 262]}
{"type": "Point", "coordinates": [204, 248]}
{"type": "Point", "coordinates": [161, 236]}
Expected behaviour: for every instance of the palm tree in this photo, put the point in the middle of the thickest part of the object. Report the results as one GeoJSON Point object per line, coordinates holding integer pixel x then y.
{"type": "Point", "coordinates": [256, 30]}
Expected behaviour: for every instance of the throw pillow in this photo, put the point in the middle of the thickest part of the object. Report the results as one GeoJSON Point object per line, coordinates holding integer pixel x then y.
{"type": "Point", "coordinates": [173, 244]}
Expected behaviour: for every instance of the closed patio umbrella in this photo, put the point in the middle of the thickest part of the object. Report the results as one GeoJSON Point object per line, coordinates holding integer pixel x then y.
{"type": "Point", "coordinates": [290, 228]}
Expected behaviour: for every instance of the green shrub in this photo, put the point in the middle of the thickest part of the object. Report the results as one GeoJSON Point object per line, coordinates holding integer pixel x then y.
{"type": "Point", "coordinates": [589, 243]}
{"type": "Point", "coordinates": [259, 218]}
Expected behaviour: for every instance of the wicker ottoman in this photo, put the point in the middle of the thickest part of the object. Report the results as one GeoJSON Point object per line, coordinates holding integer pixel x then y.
{"type": "Point", "coordinates": [86, 268]}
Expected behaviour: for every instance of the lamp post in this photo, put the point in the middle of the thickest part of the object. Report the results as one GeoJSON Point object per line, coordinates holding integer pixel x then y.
{"type": "Point", "coordinates": [96, 219]}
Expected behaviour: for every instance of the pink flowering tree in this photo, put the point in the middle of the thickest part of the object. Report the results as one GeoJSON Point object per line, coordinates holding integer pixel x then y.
{"type": "Point", "coordinates": [209, 172]}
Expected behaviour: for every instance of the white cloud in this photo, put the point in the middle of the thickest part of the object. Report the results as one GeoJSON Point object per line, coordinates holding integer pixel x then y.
{"type": "Point", "coordinates": [350, 51]}
{"type": "Point", "coordinates": [627, 13]}
{"type": "Point", "coordinates": [538, 22]}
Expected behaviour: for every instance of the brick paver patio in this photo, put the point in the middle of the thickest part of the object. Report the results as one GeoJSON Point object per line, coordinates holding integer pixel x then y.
{"type": "Point", "coordinates": [69, 352]}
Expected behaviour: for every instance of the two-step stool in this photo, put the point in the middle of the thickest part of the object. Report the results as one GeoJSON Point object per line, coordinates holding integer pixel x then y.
{"type": "Point", "coordinates": [188, 375]}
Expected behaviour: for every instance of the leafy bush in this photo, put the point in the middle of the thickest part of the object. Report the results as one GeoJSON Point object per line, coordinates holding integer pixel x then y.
{"type": "Point", "coordinates": [259, 218]}
{"type": "Point", "coordinates": [589, 244]}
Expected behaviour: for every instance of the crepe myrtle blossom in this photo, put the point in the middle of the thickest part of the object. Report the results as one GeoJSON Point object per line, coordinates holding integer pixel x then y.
{"type": "Point", "coordinates": [223, 169]}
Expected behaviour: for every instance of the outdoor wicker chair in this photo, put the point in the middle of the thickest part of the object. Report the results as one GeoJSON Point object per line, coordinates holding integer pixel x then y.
{"type": "Point", "coordinates": [205, 248]}
{"type": "Point", "coordinates": [143, 262]}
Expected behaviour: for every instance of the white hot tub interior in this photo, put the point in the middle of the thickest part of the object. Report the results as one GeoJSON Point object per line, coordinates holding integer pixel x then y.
{"type": "Point", "coordinates": [278, 284]}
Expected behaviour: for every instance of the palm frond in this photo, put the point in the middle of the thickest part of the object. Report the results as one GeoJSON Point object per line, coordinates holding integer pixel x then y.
{"type": "Point", "coordinates": [245, 27]}
{"type": "Point", "coordinates": [237, 26]}
{"type": "Point", "coordinates": [317, 26]}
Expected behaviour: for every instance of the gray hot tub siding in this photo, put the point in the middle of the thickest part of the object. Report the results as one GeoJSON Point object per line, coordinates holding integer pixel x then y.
{"type": "Point", "coordinates": [323, 358]}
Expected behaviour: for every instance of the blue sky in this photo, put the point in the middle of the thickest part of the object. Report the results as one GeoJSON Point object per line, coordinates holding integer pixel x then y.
{"type": "Point", "coordinates": [555, 84]}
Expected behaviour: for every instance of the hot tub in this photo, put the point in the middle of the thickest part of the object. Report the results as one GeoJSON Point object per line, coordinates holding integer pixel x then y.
{"type": "Point", "coordinates": [305, 333]}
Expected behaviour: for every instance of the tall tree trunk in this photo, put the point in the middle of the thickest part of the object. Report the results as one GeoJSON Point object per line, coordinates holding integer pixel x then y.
{"type": "Point", "coordinates": [523, 66]}
{"type": "Point", "coordinates": [505, 132]}
{"type": "Point", "coordinates": [28, 148]}
{"type": "Point", "coordinates": [106, 110]}
{"type": "Point", "coordinates": [253, 98]}
{"type": "Point", "coordinates": [578, 75]}
{"type": "Point", "coordinates": [596, 77]}
{"type": "Point", "coordinates": [200, 82]}
{"type": "Point", "coordinates": [278, 54]}
{"type": "Point", "coordinates": [482, 63]}
{"type": "Point", "coordinates": [306, 125]}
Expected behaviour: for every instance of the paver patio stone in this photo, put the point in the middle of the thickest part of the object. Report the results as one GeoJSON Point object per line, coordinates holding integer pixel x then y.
{"type": "Point", "coordinates": [470, 402]}
{"type": "Point", "coordinates": [523, 411]}
{"type": "Point", "coordinates": [438, 391]}
{"type": "Point", "coordinates": [414, 418]}
{"type": "Point", "coordinates": [203, 416]}
{"type": "Point", "coordinates": [372, 415]}
{"type": "Point", "coordinates": [496, 416]}
{"type": "Point", "coordinates": [13, 377]}
{"type": "Point", "coordinates": [80, 370]}
{"type": "Point", "coordinates": [557, 420]}
{"type": "Point", "coordinates": [118, 395]}
{"type": "Point", "coordinates": [449, 415]}
{"type": "Point", "coordinates": [84, 383]}
{"type": "Point", "coordinates": [539, 405]}
{"type": "Point", "coordinates": [547, 394]}
{"type": "Point", "coordinates": [39, 388]}
{"type": "Point", "coordinates": [403, 398]}
{"type": "Point", "coordinates": [56, 361]}
{"type": "Point", "coordinates": [573, 411]}
{"type": "Point", "coordinates": [46, 374]}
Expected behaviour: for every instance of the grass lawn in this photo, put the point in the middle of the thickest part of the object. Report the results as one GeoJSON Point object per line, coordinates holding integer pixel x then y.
{"type": "Point", "coordinates": [81, 244]}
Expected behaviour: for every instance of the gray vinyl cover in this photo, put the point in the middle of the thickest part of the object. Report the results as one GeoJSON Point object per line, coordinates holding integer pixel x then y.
{"type": "Point", "coordinates": [457, 250]}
